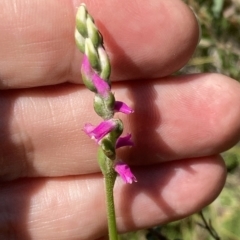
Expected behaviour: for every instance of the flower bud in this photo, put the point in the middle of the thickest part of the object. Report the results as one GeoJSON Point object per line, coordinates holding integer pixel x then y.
{"type": "Point", "coordinates": [104, 106]}
{"type": "Point", "coordinates": [93, 33]}
{"type": "Point", "coordinates": [105, 64]}
{"type": "Point", "coordinates": [87, 73]}
{"type": "Point", "coordinates": [92, 54]}
{"type": "Point", "coordinates": [80, 41]}
{"type": "Point", "coordinates": [81, 18]}
{"type": "Point", "coordinates": [108, 148]}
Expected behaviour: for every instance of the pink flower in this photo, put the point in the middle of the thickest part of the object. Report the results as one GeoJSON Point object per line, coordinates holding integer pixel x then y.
{"type": "Point", "coordinates": [86, 66]}
{"type": "Point", "coordinates": [122, 107]}
{"type": "Point", "coordinates": [125, 172]}
{"type": "Point", "coordinates": [98, 132]}
{"type": "Point", "coordinates": [124, 141]}
{"type": "Point", "coordinates": [101, 86]}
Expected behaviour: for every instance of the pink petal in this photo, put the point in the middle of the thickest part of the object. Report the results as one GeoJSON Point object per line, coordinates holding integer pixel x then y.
{"type": "Point", "coordinates": [102, 86]}
{"type": "Point", "coordinates": [88, 128]}
{"type": "Point", "coordinates": [125, 172]}
{"type": "Point", "coordinates": [86, 66]}
{"type": "Point", "coordinates": [122, 107]}
{"type": "Point", "coordinates": [98, 132]}
{"type": "Point", "coordinates": [124, 141]}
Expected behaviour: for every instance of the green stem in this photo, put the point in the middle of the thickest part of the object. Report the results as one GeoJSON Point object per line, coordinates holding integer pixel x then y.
{"type": "Point", "coordinates": [110, 177]}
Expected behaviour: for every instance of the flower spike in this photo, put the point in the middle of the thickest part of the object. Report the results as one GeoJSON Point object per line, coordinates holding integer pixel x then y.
{"type": "Point", "coordinates": [95, 72]}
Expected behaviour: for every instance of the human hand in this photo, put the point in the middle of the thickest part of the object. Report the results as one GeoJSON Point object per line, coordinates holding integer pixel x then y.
{"type": "Point", "coordinates": [51, 186]}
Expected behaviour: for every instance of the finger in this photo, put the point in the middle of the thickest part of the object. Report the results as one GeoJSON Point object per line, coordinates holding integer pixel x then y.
{"type": "Point", "coordinates": [74, 208]}
{"type": "Point", "coordinates": [175, 118]}
{"type": "Point", "coordinates": [37, 39]}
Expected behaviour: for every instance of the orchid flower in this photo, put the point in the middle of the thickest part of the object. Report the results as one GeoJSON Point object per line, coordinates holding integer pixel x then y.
{"type": "Point", "coordinates": [125, 172]}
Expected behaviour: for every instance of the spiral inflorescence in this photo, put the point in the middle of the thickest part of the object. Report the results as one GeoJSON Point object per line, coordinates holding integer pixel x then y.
{"type": "Point", "coordinates": [95, 71]}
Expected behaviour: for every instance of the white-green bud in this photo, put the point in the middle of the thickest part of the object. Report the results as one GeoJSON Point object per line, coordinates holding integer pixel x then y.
{"type": "Point", "coordinates": [93, 33]}
{"type": "Point", "coordinates": [80, 41]}
{"type": "Point", "coordinates": [92, 54]}
{"type": "Point", "coordinates": [105, 64]}
{"type": "Point", "coordinates": [81, 19]}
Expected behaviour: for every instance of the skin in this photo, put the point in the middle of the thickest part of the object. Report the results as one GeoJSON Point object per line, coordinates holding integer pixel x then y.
{"type": "Point", "coordinates": [51, 185]}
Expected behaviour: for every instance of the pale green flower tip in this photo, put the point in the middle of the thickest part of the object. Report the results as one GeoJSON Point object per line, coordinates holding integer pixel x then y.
{"type": "Point", "coordinates": [93, 33]}
{"type": "Point", "coordinates": [89, 16]}
{"type": "Point", "coordinates": [81, 18]}
{"type": "Point", "coordinates": [105, 63]}
{"type": "Point", "coordinates": [92, 54]}
{"type": "Point", "coordinates": [80, 41]}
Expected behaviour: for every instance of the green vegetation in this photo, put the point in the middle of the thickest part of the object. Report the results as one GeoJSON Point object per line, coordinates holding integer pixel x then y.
{"type": "Point", "coordinates": [218, 51]}
{"type": "Point", "coordinates": [219, 48]}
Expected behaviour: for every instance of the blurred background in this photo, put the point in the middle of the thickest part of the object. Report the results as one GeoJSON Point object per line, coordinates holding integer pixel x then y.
{"type": "Point", "coordinates": [218, 51]}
